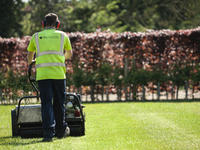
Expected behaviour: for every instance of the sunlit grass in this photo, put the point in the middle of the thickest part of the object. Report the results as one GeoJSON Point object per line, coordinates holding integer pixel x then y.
{"type": "Point", "coordinates": [121, 126]}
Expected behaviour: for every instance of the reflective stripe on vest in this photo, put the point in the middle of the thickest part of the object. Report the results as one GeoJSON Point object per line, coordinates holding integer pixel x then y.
{"type": "Point", "coordinates": [49, 51]}
{"type": "Point", "coordinates": [50, 64]}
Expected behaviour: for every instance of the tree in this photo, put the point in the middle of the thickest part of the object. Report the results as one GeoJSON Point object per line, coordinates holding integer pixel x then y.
{"type": "Point", "coordinates": [175, 14]}
{"type": "Point", "coordinates": [158, 77]}
{"type": "Point", "coordinates": [35, 11]}
{"type": "Point", "coordinates": [104, 77]}
{"type": "Point", "coordinates": [138, 77]}
{"type": "Point", "coordinates": [78, 77]}
{"type": "Point", "coordinates": [73, 15]}
{"type": "Point", "coordinates": [77, 16]}
{"type": "Point", "coordinates": [180, 76]}
{"type": "Point", "coordinates": [90, 80]}
{"type": "Point", "coordinates": [10, 14]}
{"type": "Point", "coordinates": [116, 15]}
{"type": "Point", "coordinates": [117, 80]}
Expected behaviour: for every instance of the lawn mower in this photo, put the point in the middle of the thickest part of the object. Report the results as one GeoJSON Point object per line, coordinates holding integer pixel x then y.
{"type": "Point", "coordinates": [27, 119]}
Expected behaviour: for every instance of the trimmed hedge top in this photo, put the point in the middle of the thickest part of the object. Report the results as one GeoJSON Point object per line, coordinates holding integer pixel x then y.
{"type": "Point", "coordinates": [150, 50]}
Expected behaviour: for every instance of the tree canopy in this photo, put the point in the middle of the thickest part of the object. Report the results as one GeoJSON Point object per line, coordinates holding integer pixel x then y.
{"type": "Point", "coordinates": [11, 15]}
{"type": "Point", "coordinates": [90, 15]}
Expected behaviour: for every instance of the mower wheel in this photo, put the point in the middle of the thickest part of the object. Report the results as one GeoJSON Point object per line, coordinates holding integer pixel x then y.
{"type": "Point", "coordinates": [14, 123]}
{"type": "Point", "coordinates": [83, 129]}
{"type": "Point", "coordinates": [77, 131]}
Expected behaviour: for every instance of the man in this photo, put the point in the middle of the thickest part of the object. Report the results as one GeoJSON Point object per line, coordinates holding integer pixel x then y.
{"type": "Point", "coordinates": [52, 47]}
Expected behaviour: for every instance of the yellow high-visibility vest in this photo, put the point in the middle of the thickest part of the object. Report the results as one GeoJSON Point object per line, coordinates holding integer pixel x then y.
{"type": "Point", "coordinates": [50, 59]}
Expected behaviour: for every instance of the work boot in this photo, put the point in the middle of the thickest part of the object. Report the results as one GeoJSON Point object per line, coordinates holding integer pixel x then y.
{"type": "Point", "coordinates": [65, 134]}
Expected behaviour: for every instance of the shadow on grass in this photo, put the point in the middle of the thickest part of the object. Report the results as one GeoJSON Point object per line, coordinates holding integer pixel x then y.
{"type": "Point", "coordinates": [9, 140]}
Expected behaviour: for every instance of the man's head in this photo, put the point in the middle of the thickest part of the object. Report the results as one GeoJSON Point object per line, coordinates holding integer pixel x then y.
{"type": "Point", "coordinates": [51, 20]}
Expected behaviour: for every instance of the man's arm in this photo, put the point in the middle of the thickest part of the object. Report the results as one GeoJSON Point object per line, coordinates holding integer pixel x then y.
{"type": "Point", "coordinates": [67, 48]}
{"type": "Point", "coordinates": [30, 57]}
{"type": "Point", "coordinates": [68, 54]}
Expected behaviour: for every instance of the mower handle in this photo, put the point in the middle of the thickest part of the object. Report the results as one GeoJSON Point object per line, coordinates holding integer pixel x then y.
{"type": "Point", "coordinates": [32, 81]}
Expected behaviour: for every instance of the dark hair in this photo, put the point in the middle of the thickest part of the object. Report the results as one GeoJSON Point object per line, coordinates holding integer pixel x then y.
{"type": "Point", "coordinates": [51, 19]}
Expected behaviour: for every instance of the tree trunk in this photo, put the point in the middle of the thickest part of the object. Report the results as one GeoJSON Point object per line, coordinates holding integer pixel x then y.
{"type": "Point", "coordinates": [193, 92]}
{"type": "Point", "coordinates": [172, 92]}
{"type": "Point", "coordinates": [177, 91]}
{"type": "Point", "coordinates": [130, 93]}
{"type": "Point", "coordinates": [119, 93]}
{"type": "Point", "coordinates": [102, 94]}
{"type": "Point", "coordinates": [158, 91]}
{"type": "Point", "coordinates": [92, 93]}
{"type": "Point", "coordinates": [186, 89]}
{"type": "Point", "coordinates": [152, 95]}
{"type": "Point", "coordinates": [167, 95]}
{"type": "Point", "coordinates": [125, 75]}
{"type": "Point", "coordinates": [107, 94]}
{"type": "Point", "coordinates": [143, 92]}
{"type": "Point", "coordinates": [134, 92]}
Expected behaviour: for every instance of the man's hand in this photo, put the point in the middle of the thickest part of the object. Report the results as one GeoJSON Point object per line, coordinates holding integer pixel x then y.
{"type": "Point", "coordinates": [68, 54]}
{"type": "Point", "coordinates": [30, 57]}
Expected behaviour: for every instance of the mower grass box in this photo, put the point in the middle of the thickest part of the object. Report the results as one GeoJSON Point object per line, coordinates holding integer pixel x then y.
{"type": "Point", "coordinates": [27, 120]}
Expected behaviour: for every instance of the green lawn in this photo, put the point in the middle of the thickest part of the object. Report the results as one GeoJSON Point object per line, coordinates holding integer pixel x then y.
{"type": "Point", "coordinates": [121, 126]}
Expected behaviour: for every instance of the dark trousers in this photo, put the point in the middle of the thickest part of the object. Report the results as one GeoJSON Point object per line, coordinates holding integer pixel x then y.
{"type": "Point", "coordinates": [52, 94]}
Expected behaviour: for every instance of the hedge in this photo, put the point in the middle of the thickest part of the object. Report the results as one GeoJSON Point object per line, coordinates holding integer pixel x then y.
{"type": "Point", "coordinates": [126, 64]}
